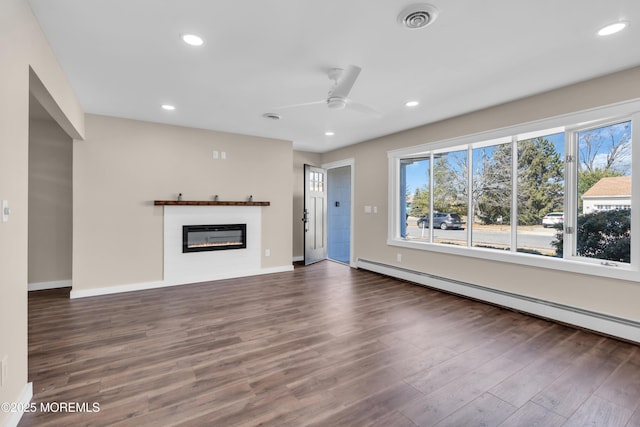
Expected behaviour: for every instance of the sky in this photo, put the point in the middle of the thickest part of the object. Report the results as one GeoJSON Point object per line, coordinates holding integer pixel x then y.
{"type": "Point", "coordinates": [604, 140]}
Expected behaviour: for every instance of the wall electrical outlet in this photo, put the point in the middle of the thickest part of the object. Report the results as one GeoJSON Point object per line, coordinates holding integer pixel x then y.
{"type": "Point", "coordinates": [267, 252]}
{"type": "Point", "coordinates": [399, 257]}
{"type": "Point", "coordinates": [216, 154]}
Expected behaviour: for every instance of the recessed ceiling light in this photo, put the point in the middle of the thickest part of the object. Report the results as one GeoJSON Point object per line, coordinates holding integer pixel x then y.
{"type": "Point", "coordinates": [168, 107]}
{"type": "Point", "coordinates": [192, 39]}
{"type": "Point", "coordinates": [329, 133]}
{"type": "Point", "coordinates": [411, 104]}
{"type": "Point", "coordinates": [612, 29]}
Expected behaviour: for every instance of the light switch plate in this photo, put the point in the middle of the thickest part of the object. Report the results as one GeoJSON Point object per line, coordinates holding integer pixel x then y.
{"type": "Point", "coordinates": [3, 370]}
{"type": "Point", "coordinates": [5, 211]}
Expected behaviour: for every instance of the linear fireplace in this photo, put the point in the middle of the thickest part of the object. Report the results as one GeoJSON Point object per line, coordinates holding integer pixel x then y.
{"type": "Point", "coordinates": [198, 238]}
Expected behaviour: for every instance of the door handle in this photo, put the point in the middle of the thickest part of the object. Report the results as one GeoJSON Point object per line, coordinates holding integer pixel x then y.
{"type": "Point", "coordinates": [305, 219]}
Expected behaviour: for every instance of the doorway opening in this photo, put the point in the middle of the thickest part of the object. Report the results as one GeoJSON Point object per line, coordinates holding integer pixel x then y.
{"type": "Point", "coordinates": [50, 195]}
{"type": "Point", "coordinates": [328, 212]}
{"type": "Point", "coordinates": [339, 212]}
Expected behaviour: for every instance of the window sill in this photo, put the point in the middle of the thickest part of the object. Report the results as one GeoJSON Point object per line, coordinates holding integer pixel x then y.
{"type": "Point", "coordinates": [621, 271]}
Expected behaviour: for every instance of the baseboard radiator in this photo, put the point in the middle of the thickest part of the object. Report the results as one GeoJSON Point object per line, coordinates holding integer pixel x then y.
{"type": "Point", "coordinates": [598, 322]}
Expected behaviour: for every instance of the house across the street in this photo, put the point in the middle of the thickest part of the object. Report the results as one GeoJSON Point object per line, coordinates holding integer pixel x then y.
{"type": "Point", "coordinates": [608, 194]}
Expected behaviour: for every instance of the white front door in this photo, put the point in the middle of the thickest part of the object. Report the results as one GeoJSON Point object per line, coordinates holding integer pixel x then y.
{"type": "Point", "coordinates": [314, 216]}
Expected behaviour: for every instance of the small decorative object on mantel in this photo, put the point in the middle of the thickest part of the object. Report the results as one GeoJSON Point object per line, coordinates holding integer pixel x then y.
{"type": "Point", "coordinates": [179, 197]}
{"type": "Point", "coordinates": [251, 198]}
{"type": "Point", "coordinates": [216, 198]}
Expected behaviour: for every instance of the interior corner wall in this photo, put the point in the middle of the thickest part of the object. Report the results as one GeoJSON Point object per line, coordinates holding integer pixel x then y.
{"type": "Point", "coordinates": [300, 158]}
{"type": "Point", "coordinates": [123, 165]}
{"type": "Point", "coordinates": [22, 46]}
{"type": "Point", "coordinates": [598, 294]}
{"type": "Point", "coordinates": [50, 203]}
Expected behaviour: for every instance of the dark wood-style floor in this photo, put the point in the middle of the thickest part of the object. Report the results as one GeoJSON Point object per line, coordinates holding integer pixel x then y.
{"type": "Point", "coordinates": [324, 345]}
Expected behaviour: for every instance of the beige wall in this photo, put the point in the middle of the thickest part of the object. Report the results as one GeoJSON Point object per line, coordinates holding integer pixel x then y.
{"type": "Point", "coordinates": [614, 297]}
{"type": "Point", "coordinates": [300, 158]}
{"type": "Point", "coordinates": [124, 165]}
{"type": "Point", "coordinates": [50, 202]}
{"type": "Point", "coordinates": [22, 46]}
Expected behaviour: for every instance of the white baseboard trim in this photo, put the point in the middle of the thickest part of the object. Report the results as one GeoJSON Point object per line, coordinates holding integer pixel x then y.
{"type": "Point", "coordinates": [23, 402]}
{"type": "Point", "coordinates": [298, 258]}
{"type": "Point", "coordinates": [598, 322]}
{"type": "Point", "coordinates": [39, 286]}
{"type": "Point", "coordinates": [107, 290]}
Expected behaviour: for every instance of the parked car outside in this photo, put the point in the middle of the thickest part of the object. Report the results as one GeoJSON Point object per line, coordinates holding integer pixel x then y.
{"type": "Point", "coordinates": [552, 219]}
{"type": "Point", "coordinates": [441, 220]}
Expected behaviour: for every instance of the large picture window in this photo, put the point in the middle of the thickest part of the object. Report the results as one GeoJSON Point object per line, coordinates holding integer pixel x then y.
{"type": "Point", "coordinates": [533, 194]}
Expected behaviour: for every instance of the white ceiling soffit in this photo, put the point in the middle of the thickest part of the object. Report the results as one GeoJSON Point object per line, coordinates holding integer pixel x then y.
{"type": "Point", "coordinates": [126, 58]}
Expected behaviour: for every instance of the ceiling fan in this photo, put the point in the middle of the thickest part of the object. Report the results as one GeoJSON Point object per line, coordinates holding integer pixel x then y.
{"type": "Point", "coordinates": [337, 97]}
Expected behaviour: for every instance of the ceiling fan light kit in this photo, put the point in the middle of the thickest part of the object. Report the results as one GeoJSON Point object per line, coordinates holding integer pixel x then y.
{"type": "Point", "coordinates": [336, 103]}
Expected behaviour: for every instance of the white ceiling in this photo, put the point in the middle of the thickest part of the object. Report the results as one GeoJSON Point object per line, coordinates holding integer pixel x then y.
{"type": "Point", "coordinates": [125, 58]}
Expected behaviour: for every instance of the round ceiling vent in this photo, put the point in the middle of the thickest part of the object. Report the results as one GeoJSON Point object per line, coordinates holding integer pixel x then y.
{"type": "Point", "coordinates": [272, 116]}
{"type": "Point", "coordinates": [417, 16]}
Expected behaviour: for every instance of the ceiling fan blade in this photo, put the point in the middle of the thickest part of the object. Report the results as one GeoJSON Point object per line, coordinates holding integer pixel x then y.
{"type": "Point", "coordinates": [304, 104]}
{"type": "Point", "coordinates": [362, 108]}
{"type": "Point", "coordinates": [346, 82]}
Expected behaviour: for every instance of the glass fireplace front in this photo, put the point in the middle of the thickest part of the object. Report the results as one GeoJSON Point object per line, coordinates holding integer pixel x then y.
{"type": "Point", "coordinates": [198, 238]}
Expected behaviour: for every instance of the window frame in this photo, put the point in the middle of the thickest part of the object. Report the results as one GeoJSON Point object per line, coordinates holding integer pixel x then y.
{"type": "Point", "coordinates": [571, 124]}
{"type": "Point", "coordinates": [571, 199]}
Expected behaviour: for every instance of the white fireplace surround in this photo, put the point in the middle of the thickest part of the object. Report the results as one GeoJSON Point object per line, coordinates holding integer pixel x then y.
{"type": "Point", "coordinates": [192, 267]}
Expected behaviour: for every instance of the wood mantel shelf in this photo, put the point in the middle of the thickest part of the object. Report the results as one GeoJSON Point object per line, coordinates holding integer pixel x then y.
{"type": "Point", "coordinates": [207, 203]}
